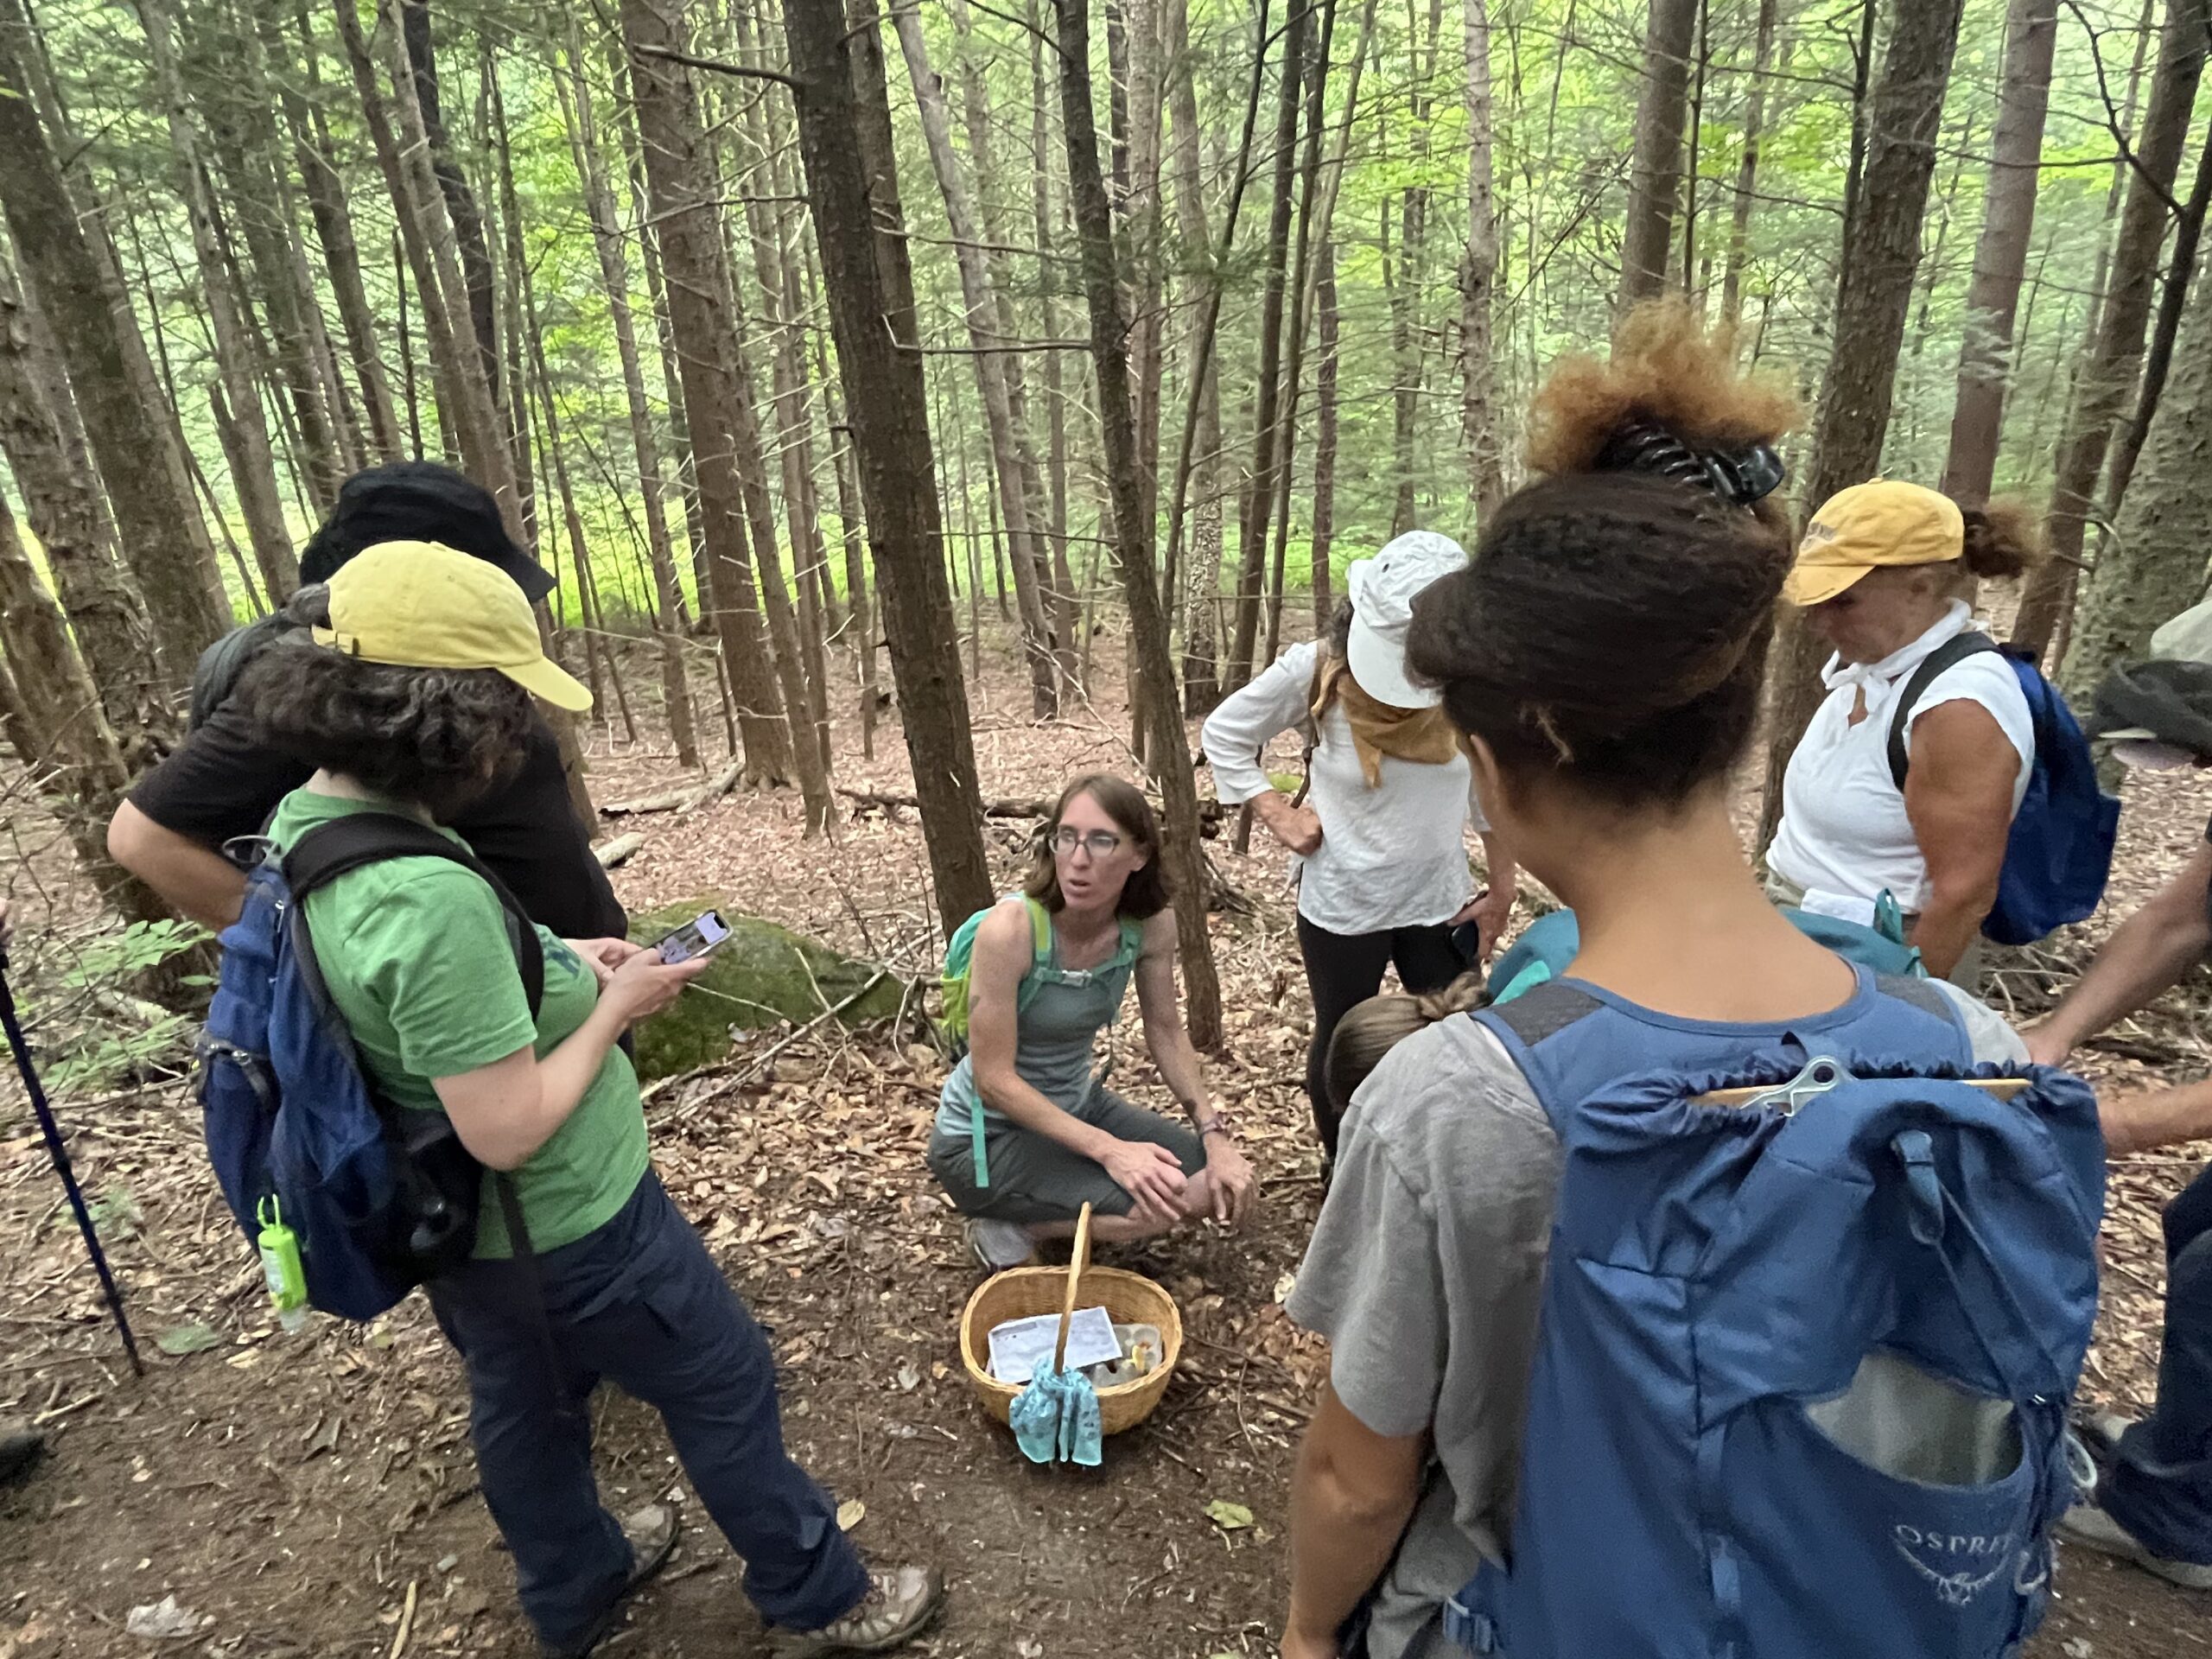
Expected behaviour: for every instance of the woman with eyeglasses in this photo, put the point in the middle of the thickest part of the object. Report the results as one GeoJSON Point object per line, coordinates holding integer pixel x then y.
{"type": "Point", "coordinates": [1028, 1133]}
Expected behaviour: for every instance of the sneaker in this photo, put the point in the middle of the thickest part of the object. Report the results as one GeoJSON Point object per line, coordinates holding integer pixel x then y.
{"type": "Point", "coordinates": [651, 1532]}
{"type": "Point", "coordinates": [20, 1446]}
{"type": "Point", "coordinates": [998, 1245]}
{"type": "Point", "coordinates": [2091, 1528]}
{"type": "Point", "coordinates": [899, 1603]}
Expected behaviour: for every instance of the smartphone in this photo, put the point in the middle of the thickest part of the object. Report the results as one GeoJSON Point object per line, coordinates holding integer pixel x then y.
{"type": "Point", "coordinates": [694, 939]}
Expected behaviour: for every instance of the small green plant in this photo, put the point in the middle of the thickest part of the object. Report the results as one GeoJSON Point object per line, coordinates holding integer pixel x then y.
{"type": "Point", "coordinates": [92, 1033]}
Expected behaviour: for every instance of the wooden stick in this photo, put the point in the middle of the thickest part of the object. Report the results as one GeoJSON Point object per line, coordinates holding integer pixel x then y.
{"type": "Point", "coordinates": [2002, 1088]}
{"type": "Point", "coordinates": [1076, 1264]}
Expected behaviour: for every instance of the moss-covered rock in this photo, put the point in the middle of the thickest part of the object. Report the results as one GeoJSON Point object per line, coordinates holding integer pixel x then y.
{"type": "Point", "coordinates": [758, 975]}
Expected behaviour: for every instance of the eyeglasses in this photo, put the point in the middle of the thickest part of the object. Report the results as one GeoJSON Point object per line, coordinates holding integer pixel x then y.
{"type": "Point", "coordinates": [1099, 843]}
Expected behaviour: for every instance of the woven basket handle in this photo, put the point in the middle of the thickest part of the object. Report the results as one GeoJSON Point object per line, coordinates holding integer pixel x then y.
{"type": "Point", "coordinates": [1076, 1263]}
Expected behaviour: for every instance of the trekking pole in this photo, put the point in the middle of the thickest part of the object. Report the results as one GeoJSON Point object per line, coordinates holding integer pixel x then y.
{"type": "Point", "coordinates": [60, 1153]}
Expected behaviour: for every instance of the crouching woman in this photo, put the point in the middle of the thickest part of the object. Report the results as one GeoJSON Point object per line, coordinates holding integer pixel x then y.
{"type": "Point", "coordinates": [1026, 1131]}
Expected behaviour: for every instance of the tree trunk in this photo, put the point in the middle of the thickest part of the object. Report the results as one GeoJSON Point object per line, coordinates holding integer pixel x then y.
{"type": "Point", "coordinates": [421, 92]}
{"type": "Point", "coordinates": [315, 158]}
{"type": "Point", "coordinates": [1406, 292]}
{"type": "Point", "coordinates": [1873, 299]}
{"type": "Point", "coordinates": [70, 740]}
{"type": "Point", "coordinates": [1065, 598]}
{"type": "Point", "coordinates": [1251, 556]}
{"type": "Point", "coordinates": [1317, 90]}
{"type": "Point", "coordinates": [1655, 171]}
{"type": "Point", "coordinates": [1200, 583]}
{"type": "Point", "coordinates": [227, 74]}
{"type": "Point", "coordinates": [1747, 171]}
{"type": "Point", "coordinates": [2109, 371]}
{"type": "Point", "coordinates": [2154, 565]}
{"type": "Point", "coordinates": [981, 301]}
{"type": "Point", "coordinates": [1325, 441]}
{"type": "Point", "coordinates": [244, 423]}
{"type": "Point", "coordinates": [157, 522]}
{"type": "Point", "coordinates": [1478, 272]}
{"type": "Point", "coordinates": [473, 375]}
{"type": "Point", "coordinates": [1048, 545]}
{"type": "Point", "coordinates": [688, 231]}
{"type": "Point", "coordinates": [1182, 861]}
{"type": "Point", "coordinates": [462, 431]}
{"type": "Point", "coordinates": [62, 502]}
{"type": "Point", "coordinates": [844, 135]}
{"type": "Point", "coordinates": [516, 426]}
{"type": "Point", "coordinates": [615, 276]}
{"type": "Point", "coordinates": [2001, 258]}
{"type": "Point", "coordinates": [787, 657]}
{"type": "Point", "coordinates": [2157, 362]}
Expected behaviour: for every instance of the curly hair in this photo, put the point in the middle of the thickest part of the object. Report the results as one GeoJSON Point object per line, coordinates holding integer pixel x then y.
{"type": "Point", "coordinates": [1146, 894]}
{"type": "Point", "coordinates": [1667, 372]}
{"type": "Point", "coordinates": [1611, 631]}
{"type": "Point", "coordinates": [437, 738]}
{"type": "Point", "coordinates": [2002, 539]}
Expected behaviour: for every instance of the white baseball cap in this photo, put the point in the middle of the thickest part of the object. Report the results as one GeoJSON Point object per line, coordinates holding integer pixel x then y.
{"type": "Point", "coordinates": [1382, 590]}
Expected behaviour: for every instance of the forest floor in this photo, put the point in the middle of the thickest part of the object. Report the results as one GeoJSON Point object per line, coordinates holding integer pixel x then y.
{"type": "Point", "coordinates": [314, 1495]}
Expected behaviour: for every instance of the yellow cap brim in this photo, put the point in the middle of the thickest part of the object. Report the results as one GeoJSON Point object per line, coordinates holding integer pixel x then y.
{"type": "Point", "coordinates": [1816, 584]}
{"type": "Point", "coordinates": [543, 678]}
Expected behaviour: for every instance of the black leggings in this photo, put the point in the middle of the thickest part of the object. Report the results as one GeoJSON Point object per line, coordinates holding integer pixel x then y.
{"type": "Point", "coordinates": [1344, 969]}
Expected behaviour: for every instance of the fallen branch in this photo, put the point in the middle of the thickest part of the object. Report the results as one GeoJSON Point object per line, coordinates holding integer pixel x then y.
{"type": "Point", "coordinates": [611, 853]}
{"type": "Point", "coordinates": [679, 800]}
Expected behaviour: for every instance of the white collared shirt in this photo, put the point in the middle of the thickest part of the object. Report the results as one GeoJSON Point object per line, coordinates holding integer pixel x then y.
{"type": "Point", "coordinates": [1844, 834]}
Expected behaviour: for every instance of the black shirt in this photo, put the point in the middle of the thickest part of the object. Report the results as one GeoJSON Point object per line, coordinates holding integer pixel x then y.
{"type": "Point", "coordinates": [220, 784]}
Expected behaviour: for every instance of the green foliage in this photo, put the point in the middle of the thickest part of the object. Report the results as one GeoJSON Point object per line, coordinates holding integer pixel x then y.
{"type": "Point", "coordinates": [92, 1033]}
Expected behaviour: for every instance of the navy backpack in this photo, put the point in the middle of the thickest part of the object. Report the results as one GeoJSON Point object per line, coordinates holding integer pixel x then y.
{"type": "Point", "coordinates": [2060, 851]}
{"type": "Point", "coordinates": [382, 1197]}
{"type": "Point", "coordinates": [1804, 1360]}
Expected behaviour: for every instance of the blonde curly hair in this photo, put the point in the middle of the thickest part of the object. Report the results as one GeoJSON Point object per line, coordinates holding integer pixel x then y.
{"type": "Point", "coordinates": [1667, 369]}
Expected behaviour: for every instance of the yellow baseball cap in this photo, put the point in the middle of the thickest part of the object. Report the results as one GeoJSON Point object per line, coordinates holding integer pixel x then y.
{"type": "Point", "coordinates": [1884, 522]}
{"type": "Point", "coordinates": [418, 605]}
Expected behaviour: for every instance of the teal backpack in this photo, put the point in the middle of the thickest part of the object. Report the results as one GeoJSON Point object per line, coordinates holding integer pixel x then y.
{"type": "Point", "coordinates": [959, 963]}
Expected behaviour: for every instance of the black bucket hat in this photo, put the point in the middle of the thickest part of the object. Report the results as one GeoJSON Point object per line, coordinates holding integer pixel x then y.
{"type": "Point", "coordinates": [2167, 702]}
{"type": "Point", "coordinates": [419, 501]}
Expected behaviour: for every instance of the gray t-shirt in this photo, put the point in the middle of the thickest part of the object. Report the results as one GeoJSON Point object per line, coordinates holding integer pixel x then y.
{"type": "Point", "coordinates": [1425, 1273]}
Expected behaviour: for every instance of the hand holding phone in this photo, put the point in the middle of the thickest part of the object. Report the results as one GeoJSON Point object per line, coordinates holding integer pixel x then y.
{"type": "Point", "coordinates": [694, 939]}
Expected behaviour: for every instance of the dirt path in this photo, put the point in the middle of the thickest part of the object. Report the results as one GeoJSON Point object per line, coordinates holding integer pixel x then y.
{"type": "Point", "coordinates": [303, 1494]}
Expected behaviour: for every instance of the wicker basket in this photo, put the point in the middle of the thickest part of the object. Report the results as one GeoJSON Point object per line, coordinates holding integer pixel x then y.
{"type": "Point", "coordinates": [1024, 1293]}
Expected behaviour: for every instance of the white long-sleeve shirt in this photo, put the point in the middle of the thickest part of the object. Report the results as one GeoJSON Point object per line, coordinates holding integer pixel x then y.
{"type": "Point", "coordinates": [1394, 855]}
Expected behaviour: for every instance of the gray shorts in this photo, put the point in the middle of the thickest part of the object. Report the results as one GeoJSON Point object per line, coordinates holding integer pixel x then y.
{"type": "Point", "coordinates": [1034, 1178]}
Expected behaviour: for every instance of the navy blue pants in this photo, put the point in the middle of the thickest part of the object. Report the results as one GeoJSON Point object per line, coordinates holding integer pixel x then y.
{"type": "Point", "coordinates": [640, 1303]}
{"type": "Point", "coordinates": [2160, 1487]}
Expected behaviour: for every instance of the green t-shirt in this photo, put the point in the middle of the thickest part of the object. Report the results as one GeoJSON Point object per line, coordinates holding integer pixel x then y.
{"type": "Point", "coordinates": [419, 960]}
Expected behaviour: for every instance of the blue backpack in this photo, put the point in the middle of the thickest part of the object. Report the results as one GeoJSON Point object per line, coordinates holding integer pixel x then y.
{"type": "Point", "coordinates": [2060, 850]}
{"type": "Point", "coordinates": [382, 1197]}
{"type": "Point", "coordinates": [1804, 1360]}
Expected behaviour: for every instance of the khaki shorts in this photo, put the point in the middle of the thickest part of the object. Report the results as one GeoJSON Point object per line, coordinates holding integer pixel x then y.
{"type": "Point", "coordinates": [1035, 1178]}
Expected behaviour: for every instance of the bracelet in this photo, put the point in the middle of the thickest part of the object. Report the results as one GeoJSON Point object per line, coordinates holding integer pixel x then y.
{"type": "Point", "coordinates": [1216, 1125]}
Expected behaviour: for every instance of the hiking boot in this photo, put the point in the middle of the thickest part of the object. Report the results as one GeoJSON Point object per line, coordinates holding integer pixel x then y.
{"type": "Point", "coordinates": [899, 1603]}
{"type": "Point", "coordinates": [20, 1446]}
{"type": "Point", "coordinates": [2091, 1528]}
{"type": "Point", "coordinates": [998, 1245]}
{"type": "Point", "coordinates": [651, 1532]}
